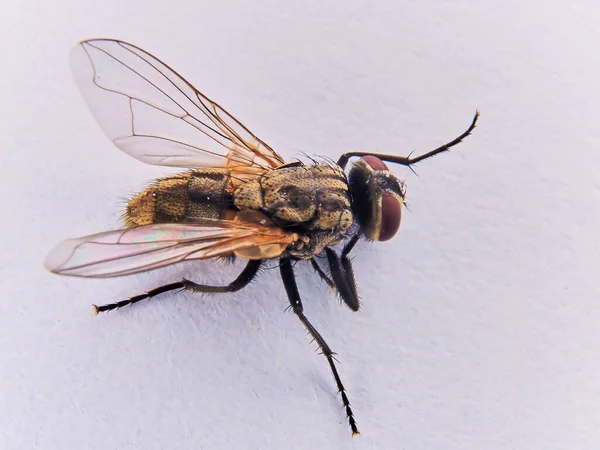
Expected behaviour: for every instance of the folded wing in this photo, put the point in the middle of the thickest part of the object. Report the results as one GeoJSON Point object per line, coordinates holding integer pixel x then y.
{"type": "Point", "coordinates": [133, 250]}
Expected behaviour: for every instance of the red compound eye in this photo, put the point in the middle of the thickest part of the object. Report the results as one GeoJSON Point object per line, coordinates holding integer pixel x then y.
{"type": "Point", "coordinates": [391, 213]}
{"type": "Point", "coordinates": [375, 163]}
{"type": "Point", "coordinates": [391, 205]}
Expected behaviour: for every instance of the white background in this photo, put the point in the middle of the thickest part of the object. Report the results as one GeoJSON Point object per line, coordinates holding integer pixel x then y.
{"type": "Point", "coordinates": [479, 327]}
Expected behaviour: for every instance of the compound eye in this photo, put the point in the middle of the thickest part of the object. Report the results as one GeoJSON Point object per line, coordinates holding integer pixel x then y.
{"type": "Point", "coordinates": [374, 162]}
{"type": "Point", "coordinates": [391, 214]}
{"type": "Point", "coordinates": [391, 206]}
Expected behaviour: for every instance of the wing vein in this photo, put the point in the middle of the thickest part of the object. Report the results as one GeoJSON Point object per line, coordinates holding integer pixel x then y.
{"type": "Point", "coordinates": [179, 105]}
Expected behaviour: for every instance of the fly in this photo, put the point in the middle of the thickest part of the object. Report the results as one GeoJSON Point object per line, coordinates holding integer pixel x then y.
{"type": "Point", "coordinates": [238, 198]}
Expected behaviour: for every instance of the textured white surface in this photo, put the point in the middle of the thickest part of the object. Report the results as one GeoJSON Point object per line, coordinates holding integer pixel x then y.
{"type": "Point", "coordinates": [479, 327]}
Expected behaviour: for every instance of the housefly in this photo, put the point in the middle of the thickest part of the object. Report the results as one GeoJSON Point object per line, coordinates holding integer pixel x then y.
{"type": "Point", "coordinates": [238, 197]}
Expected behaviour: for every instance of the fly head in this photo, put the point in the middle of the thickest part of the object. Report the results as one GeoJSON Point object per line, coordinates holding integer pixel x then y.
{"type": "Point", "coordinates": [377, 198]}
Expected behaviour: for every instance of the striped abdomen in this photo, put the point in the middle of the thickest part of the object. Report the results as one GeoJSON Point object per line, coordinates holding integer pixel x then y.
{"type": "Point", "coordinates": [197, 194]}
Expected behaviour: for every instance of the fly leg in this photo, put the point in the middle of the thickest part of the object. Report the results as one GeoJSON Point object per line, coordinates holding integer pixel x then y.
{"type": "Point", "coordinates": [322, 274]}
{"type": "Point", "coordinates": [136, 298]}
{"type": "Point", "coordinates": [243, 279]}
{"type": "Point", "coordinates": [343, 274]}
{"type": "Point", "coordinates": [347, 264]}
{"type": "Point", "coordinates": [289, 282]}
{"type": "Point", "coordinates": [407, 160]}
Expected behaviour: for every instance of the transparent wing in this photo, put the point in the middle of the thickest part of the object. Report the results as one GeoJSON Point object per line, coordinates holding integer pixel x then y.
{"type": "Point", "coordinates": [133, 250]}
{"type": "Point", "coordinates": [153, 114]}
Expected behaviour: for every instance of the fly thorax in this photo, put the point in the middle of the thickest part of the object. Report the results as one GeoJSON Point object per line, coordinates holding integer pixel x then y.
{"type": "Point", "coordinates": [315, 197]}
{"type": "Point", "coordinates": [334, 211]}
{"type": "Point", "coordinates": [248, 196]}
{"type": "Point", "coordinates": [283, 198]}
{"type": "Point", "coordinates": [314, 243]}
{"type": "Point", "coordinates": [287, 195]}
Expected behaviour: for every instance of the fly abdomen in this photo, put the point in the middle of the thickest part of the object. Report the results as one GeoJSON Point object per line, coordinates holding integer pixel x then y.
{"type": "Point", "coordinates": [208, 195]}
{"type": "Point", "coordinates": [189, 196]}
